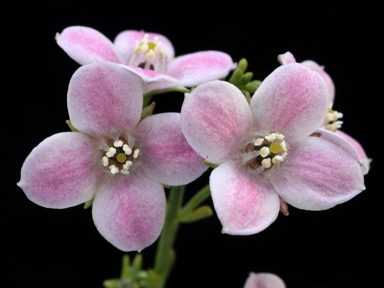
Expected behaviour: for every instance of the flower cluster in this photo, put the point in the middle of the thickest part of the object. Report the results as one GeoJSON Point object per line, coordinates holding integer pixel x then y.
{"type": "Point", "coordinates": [269, 144]}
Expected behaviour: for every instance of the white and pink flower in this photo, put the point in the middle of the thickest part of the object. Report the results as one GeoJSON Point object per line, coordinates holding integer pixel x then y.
{"type": "Point", "coordinates": [115, 159]}
{"type": "Point", "coordinates": [270, 152]}
{"type": "Point", "coordinates": [146, 50]}
{"type": "Point", "coordinates": [263, 280]}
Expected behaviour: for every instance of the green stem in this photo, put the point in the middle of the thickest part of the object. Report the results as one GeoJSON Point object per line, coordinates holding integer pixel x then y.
{"type": "Point", "coordinates": [164, 258]}
{"type": "Point", "coordinates": [196, 200]}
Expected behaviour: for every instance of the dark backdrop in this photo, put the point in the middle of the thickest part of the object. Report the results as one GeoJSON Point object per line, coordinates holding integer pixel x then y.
{"type": "Point", "coordinates": [340, 247]}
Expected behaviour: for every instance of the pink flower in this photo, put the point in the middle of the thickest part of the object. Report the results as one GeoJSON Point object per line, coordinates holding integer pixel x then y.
{"type": "Point", "coordinates": [266, 151]}
{"type": "Point", "coordinates": [264, 280]}
{"type": "Point", "coordinates": [115, 159]}
{"type": "Point", "coordinates": [150, 51]}
{"type": "Point", "coordinates": [332, 121]}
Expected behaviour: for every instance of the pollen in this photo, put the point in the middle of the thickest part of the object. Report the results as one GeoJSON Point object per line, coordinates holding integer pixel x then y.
{"type": "Point", "coordinates": [119, 156]}
{"type": "Point", "coordinates": [266, 152]}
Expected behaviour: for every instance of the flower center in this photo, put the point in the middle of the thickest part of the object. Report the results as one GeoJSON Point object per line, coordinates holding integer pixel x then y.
{"type": "Point", "coordinates": [266, 152]}
{"type": "Point", "coordinates": [332, 121]}
{"type": "Point", "coordinates": [119, 156]}
{"type": "Point", "coordinates": [149, 55]}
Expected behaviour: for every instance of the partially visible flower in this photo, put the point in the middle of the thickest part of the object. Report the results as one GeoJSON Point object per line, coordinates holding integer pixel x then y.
{"type": "Point", "coordinates": [266, 152]}
{"type": "Point", "coordinates": [264, 280]}
{"type": "Point", "coordinates": [115, 159]}
{"type": "Point", "coordinates": [332, 120]}
{"type": "Point", "coordinates": [147, 50]}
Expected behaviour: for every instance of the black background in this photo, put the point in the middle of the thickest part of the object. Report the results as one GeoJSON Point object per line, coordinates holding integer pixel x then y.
{"type": "Point", "coordinates": [340, 247]}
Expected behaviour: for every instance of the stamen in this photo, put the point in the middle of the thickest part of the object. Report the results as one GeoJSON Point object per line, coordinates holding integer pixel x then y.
{"type": "Point", "coordinates": [111, 152]}
{"type": "Point", "coordinates": [264, 152]}
{"type": "Point", "coordinates": [136, 153]}
{"type": "Point", "coordinates": [266, 163]}
{"type": "Point", "coordinates": [118, 143]}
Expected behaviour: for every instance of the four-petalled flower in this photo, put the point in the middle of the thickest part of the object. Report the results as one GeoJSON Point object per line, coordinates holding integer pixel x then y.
{"type": "Point", "coordinates": [266, 151]}
{"type": "Point", "coordinates": [147, 50]}
{"type": "Point", "coordinates": [115, 158]}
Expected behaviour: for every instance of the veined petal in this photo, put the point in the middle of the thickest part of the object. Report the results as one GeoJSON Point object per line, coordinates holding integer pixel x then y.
{"type": "Point", "coordinates": [129, 211]}
{"type": "Point", "coordinates": [200, 67]}
{"type": "Point", "coordinates": [365, 161]}
{"type": "Point", "coordinates": [155, 82]}
{"type": "Point", "coordinates": [126, 41]}
{"type": "Point", "coordinates": [60, 172]}
{"type": "Point", "coordinates": [327, 78]}
{"type": "Point", "coordinates": [84, 45]}
{"type": "Point", "coordinates": [264, 280]}
{"type": "Point", "coordinates": [104, 97]}
{"type": "Point", "coordinates": [292, 100]}
{"type": "Point", "coordinates": [244, 204]}
{"type": "Point", "coordinates": [166, 156]}
{"type": "Point", "coordinates": [318, 175]}
{"type": "Point", "coordinates": [215, 116]}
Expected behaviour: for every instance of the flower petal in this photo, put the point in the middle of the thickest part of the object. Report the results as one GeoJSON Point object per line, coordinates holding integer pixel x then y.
{"type": "Point", "coordinates": [129, 211]}
{"type": "Point", "coordinates": [292, 100]}
{"type": "Point", "coordinates": [155, 82]}
{"type": "Point", "coordinates": [60, 171]}
{"type": "Point", "coordinates": [200, 67]}
{"type": "Point", "coordinates": [215, 116]}
{"type": "Point", "coordinates": [318, 175]}
{"type": "Point", "coordinates": [264, 280]}
{"type": "Point", "coordinates": [126, 41]}
{"type": "Point", "coordinates": [325, 75]}
{"type": "Point", "coordinates": [166, 156]}
{"type": "Point", "coordinates": [104, 97]}
{"type": "Point", "coordinates": [243, 203]}
{"type": "Point", "coordinates": [365, 161]}
{"type": "Point", "coordinates": [84, 45]}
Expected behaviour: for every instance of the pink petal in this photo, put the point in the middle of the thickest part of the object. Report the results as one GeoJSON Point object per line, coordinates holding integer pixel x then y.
{"type": "Point", "coordinates": [286, 58]}
{"type": "Point", "coordinates": [84, 45]}
{"type": "Point", "coordinates": [318, 175]}
{"type": "Point", "coordinates": [155, 82]}
{"type": "Point", "coordinates": [292, 100]}
{"type": "Point", "coordinates": [60, 172]}
{"type": "Point", "coordinates": [264, 280]}
{"type": "Point", "coordinates": [215, 116]}
{"type": "Point", "coordinates": [104, 97]}
{"type": "Point", "coordinates": [126, 41]}
{"type": "Point", "coordinates": [327, 78]}
{"type": "Point", "coordinates": [200, 67]}
{"type": "Point", "coordinates": [166, 156]}
{"type": "Point", "coordinates": [129, 211]}
{"type": "Point", "coordinates": [244, 204]}
{"type": "Point", "coordinates": [365, 161]}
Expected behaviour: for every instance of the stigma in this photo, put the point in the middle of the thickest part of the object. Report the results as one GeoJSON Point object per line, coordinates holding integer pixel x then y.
{"type": "Point", "coordinates": [266, 152]}
{"type": "Point", "coordinates": [149, 55]}
{"type": "Point", "coordinates": [119, 156]}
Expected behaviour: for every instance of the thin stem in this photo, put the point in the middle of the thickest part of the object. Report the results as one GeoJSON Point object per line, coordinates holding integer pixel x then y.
{"type": "Point", "coordinates": [164, 258]}
{"type": "Point", "coordinates": [196, 200]}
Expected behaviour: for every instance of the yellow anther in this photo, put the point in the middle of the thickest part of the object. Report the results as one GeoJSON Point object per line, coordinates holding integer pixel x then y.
{"type": "Point", "coordinates": [275, 147]}
{"type": "Point", "coordinates": [121, 157]}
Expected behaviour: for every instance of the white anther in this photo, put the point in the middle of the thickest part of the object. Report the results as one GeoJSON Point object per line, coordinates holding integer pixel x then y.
{"type": "Point", "coordinates": [277, 159]}
{"type": "Point", "coordinates": [105, 161]}
{"type": "Point", "coordinates": [125, 172]}
{"type": "Point", "coordinates": [127, 165]}
{"type": "Point", "coordinates": [118, 143]}
{"type": "Point", "coordinates": [266, 163]}
{"type": "Point", "coordinates": [114, 169]}
{"type": "Point", "coordinates": [127, 149]}
{"type": "Point", "coordinates": [111, 152]}
{"type": "Point", "coordinates": [284, 155]}
{"type": "Point", "coordinates": [283, 145]}
{"type": "Point", "coordinates": [136, 153]}
{"type": "Point", "coordinates": [258, 141]}
{"type": "Point", "coordinates": [270, 137]}
{"type": "Point", "coordinates": [264, 152]}
{"type": "Point", "coordinates": [279, 136]}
